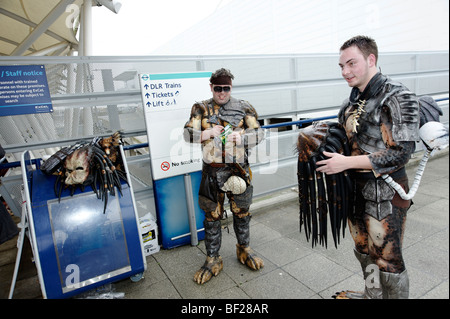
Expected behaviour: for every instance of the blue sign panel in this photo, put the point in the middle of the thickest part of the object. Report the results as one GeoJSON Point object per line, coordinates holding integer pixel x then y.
{"type": "Point", "coordinates": [173, 215]}
{"type": "Point", "coordinates": [78, 246]}
{"type": "Point", "coordinates": [24, 90]}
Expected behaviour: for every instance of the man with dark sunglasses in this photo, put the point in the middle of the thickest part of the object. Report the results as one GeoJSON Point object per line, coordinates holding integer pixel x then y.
{"type": "Point", "coordinates": [227, 128]}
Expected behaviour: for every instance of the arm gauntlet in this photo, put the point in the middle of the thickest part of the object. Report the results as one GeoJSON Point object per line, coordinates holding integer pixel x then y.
{"type": "Point", "coordinates": [253, 134]}
{"type": "Point", "coordinates": [389, 160]}
{"type": "Point", "coordinates": [193, 128]}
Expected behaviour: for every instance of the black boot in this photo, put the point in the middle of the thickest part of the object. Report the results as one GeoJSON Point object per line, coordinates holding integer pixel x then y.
{"type": "Point", "coordinates": [241, 228]}
{"type": "Point", "coordinates": [213, 237]}
{"type": "Point", "coordinates": [214, 263]}
{"type": "Point", "coordinates": [243, 251]}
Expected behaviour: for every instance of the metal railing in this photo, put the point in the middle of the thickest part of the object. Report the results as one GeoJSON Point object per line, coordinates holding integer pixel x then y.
{"type": "Point", "coordinates": [95, 96]}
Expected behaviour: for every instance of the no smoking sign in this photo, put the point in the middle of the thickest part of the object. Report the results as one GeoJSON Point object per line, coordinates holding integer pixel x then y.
{"type": "Point", "coordinates": [165, 166]}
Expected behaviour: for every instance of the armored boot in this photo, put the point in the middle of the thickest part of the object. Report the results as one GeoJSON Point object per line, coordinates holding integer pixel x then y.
{"type": "Point", "coordinates": [214, 263]}
{"type": "Point", "coordinates": [372, 286]}
{"type": "Point", "coordinates": [244, 253]}
{"type": "Point", "coordinates": [394, 285]}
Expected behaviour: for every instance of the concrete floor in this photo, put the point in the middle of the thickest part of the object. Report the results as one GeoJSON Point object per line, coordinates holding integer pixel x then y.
{"type": "Point", "coordinates": [294, 270]}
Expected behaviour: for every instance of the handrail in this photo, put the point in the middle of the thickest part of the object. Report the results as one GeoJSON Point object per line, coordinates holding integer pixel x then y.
{"type": "Point", "coordinates": [298, 123]}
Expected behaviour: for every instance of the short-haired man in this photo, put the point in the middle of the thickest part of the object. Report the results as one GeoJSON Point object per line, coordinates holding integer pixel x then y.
{"type": "Point", "coordinates": [381, 119]}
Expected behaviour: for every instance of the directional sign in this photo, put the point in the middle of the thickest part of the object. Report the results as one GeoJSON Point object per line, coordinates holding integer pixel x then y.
{"type": "Point", "coordinates": [24, 90]}
{"type": "Point", "coordinates": [167, 100]}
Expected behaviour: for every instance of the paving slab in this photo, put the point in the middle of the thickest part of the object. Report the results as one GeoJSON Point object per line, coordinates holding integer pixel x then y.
{"type": "Point", "coordinates": [295, 270]}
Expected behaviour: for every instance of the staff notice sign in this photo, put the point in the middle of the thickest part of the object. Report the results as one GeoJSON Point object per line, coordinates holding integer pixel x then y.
{"type": "Point", "coordinates": [24, 90]}
{"type": "Point", "coordinates": [167, 100]}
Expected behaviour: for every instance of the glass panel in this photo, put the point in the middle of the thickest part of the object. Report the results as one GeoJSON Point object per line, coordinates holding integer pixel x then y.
{"type": "Point", "coordinates": [90, 246]}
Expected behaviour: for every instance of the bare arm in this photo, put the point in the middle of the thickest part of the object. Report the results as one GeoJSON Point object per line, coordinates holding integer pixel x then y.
{"type": "Point", "coordinates": [338, 163]}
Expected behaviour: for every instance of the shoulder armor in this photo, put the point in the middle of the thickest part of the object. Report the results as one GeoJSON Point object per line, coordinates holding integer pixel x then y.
{"type": "Point", "coordinates": [249, 109]}
{"type": "Point", "coordinates": [404, 109]}
{"type": "Point", "coordinates": [232, 112]}
{"type": "Point", "coordinates": [198, 109]}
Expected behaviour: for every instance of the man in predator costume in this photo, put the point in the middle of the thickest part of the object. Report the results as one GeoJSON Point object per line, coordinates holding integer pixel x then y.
{"type": "Point", "coordinates": [381, 119]}
{"type": "Point", "coordinates": [226, 169]}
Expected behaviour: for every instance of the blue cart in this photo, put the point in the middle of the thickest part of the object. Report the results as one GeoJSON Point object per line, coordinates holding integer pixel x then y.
{"type": "Point", "coordinates": [76, 246]}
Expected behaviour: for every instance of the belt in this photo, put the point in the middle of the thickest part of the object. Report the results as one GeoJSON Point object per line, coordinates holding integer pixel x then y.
{"type": "Point", "coordinates": [219, 165]}
{"type": "Point", "coordinates": [216, 165]}
{"type": "Point", "coordinates": [370, 175]}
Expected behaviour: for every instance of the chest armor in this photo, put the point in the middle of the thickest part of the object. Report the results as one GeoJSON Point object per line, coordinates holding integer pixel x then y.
{"type": "Point", "coordinates": [369, 137]}
{"type": "Point", "coordinates": [403, 108]}
{"type": "Point", "coordinates": [233, 112]}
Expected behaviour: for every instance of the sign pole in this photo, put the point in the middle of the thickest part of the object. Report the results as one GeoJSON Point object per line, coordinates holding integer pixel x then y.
{"type": "Point", "coordinates": [191, 209]}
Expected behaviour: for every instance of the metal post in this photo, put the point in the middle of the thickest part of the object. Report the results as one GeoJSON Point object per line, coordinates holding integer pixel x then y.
{"type": "Point", "coordinates": [113, 110]}
{"type": "Point", "coordinates": [191, 209]}
{"type": "Point", "coordinates": [87, 28]}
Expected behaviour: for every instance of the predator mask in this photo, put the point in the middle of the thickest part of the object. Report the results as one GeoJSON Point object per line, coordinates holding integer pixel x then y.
{"type": "Point", "coordinates": [77, 166]}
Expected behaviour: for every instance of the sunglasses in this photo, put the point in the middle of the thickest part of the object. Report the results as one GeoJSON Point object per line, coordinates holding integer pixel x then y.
{"type": "Point", "coordinates": [219, 89]}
